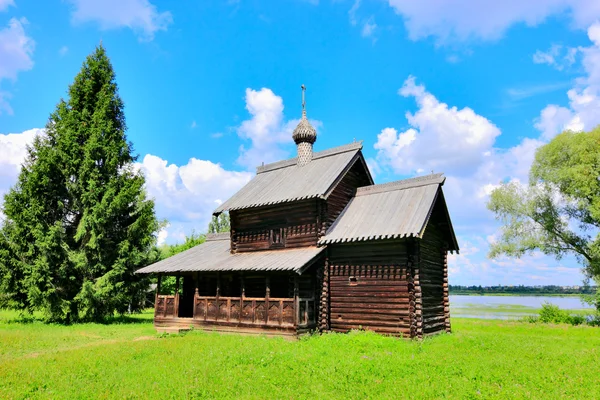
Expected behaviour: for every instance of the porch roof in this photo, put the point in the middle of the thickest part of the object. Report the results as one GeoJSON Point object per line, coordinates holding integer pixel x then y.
{"type": "Point", "coordinates": [215, 255]}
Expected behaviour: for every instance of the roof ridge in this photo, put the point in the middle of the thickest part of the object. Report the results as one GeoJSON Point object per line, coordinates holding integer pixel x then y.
{"type": "Point", "coordinates": [320, 154]}
{"type": "Point", "coordinates": [401, 184]}
{"type": "Point", "coordinates": [218, 236]}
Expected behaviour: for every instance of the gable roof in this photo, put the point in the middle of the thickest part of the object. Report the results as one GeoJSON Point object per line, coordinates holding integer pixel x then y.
{"type": "Point", "coordinates": [391, 210]}
{"type": "Point", "coordinates": [286, 181]}
{"type": "Point", "coordinates": [215, 255]}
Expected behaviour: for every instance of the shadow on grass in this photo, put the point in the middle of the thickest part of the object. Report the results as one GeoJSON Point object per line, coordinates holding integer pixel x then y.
{"type": "Point", "coordinates": [141, 318]}
{"type": "Point", "coordinates": [15, 317]}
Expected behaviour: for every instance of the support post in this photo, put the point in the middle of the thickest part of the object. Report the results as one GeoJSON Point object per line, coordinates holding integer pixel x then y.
{"type": "Point", "coordinates": [267, 295]}
{"type": "Point", "coordinates": [243, 285]}
{"type": "Point", "coordinates": [157, 294]}
{"type": "Point", "coordinates": [296, 300]}
{"type": "Point", "coordinates": [217, 305]}
{"type": "Point", "coordinates": [176, 305]}
{"type": "Point", "coordinates": [243, 294]}
{"type": "Point", "coordinates": [195, 294]}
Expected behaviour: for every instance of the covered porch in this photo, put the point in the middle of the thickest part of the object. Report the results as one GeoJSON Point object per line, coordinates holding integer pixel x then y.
{"type": "Point", "coordinates": [254, 303]}
{"type": "Point", "coordinates": [272, 292]}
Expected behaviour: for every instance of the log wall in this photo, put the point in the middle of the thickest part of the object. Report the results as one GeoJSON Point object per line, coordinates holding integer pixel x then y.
{"type": "Point", "coordinates": [299, 222]}
{"type": "Point", "coordinates": [368, 287]}
{"type": "Point", "coordinates": [434, 281]}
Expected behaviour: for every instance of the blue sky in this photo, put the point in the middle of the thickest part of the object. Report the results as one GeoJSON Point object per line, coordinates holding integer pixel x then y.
{"type": "Point", "coordinates": [212, 88]}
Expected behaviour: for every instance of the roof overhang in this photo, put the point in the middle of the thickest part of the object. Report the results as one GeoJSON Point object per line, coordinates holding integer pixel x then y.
{"type": "Point", "coordinates": [214, 255]}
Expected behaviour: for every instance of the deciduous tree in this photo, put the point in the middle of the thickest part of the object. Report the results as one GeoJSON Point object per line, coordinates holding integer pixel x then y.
{"type": "Point", "coordinates": [558, 212]}
{"type": "Point", "coordinates": [219, 224]}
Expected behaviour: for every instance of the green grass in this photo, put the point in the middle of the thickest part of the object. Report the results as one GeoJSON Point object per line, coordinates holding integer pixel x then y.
{"type": "Point", "coordinates": [480, 359]}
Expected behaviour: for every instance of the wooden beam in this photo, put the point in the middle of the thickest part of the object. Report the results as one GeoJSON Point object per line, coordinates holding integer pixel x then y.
{"type": "Point", "coordinates": [176, 305]}
{"type": "Point", "coordinates": [195, 294]}
{"type": "Point", "coordinates": [296, 301]}
{"type": "Point", "coordinates": [267, 295]}
{"type": "Point", "coordinates": [157, 294]}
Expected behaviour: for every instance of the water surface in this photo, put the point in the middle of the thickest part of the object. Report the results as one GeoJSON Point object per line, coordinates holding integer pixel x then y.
{"type": "Point", "coordinates": [507, 307]}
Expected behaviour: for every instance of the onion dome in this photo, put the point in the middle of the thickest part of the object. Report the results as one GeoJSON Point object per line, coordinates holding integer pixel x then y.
{"type": "Point", "coordinates": [304, 135]}
{"type": "Point", "coordinates": [304, 132]}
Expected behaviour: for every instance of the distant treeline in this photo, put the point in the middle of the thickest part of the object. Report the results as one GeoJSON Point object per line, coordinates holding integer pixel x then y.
{"type": "Point", "coordinates": [523, 290]}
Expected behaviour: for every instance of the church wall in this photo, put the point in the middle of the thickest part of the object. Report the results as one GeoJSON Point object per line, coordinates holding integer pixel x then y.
{"type": "Point", "coordinates": [434, 281]}
{"type": "Point", "coordinates": [370, 287]}
{"type": "Point", "coordinates": [285, 225]}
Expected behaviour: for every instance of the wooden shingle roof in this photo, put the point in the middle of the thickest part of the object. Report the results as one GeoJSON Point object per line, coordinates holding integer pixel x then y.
{"type": "Point", "coordinates": [387, 211]}
{"type": "Point", "coordinates": [215, 255]}
{"type": "Point", "coordinates": [286, 181]}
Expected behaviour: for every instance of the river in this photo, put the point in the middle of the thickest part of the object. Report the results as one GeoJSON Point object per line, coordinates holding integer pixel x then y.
{"type": "Point", "coordinates": [507, 307]}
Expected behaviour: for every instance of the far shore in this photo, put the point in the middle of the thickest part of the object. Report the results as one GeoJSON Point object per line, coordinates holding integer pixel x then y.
{"type": "Point", "coordinates": [516, 294]}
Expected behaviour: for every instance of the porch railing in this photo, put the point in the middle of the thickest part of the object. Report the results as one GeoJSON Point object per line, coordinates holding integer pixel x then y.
{"type": "Point", "coordinates": [246, 310]}
{"type": "Point", "coordinates": [251, 310]}
{"type": "Point", "coordinates": [166, 306]}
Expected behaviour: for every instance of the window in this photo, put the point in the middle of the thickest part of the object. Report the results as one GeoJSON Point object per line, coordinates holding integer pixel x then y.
{"type": "Point", "coordinates": [276, 238]}
{"type": "Point", "coordinates": [353, 280]}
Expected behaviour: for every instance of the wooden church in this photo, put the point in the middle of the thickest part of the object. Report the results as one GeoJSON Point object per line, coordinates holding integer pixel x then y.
{"type": "Point", "coordinates": [315, 244]}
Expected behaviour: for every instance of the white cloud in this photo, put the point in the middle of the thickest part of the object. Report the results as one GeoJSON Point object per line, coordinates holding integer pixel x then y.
{"type": "Point", "coordinates": [369, 28]}
{"type": "Point", "coordinates": [460, 143]}
{"type": "Point", "coordinates": [162, 236]}
{"type": "Point", "coordinates": [187, 195]}
{"type": "Point", "coordinates": [13, 149]}
{"type": "Point", "coordinates": [270, 135]}
{"type": "Point", "coordinates": [461, 20]}
{"type": "Point", "coordinates": [557, 56]}
{"type": "Point", "coordinates": [193, 125]}
{"type": "Point", "coordinates": [352, 12]}
{"type": "Point", "coordinates": [139, 15]}
{"type": "Point", "coordinates": [16, 50]}
{"type": "Point", "coordinates": [441, 138]}
{"type": "Point", "coordinates": [520, 93]}
{"type": "Point", "coordinates": [4, 4]}
{"type": "Point", "coordinates": [583, 112]}
{"type": "Point", "coordinates": [63, 50]}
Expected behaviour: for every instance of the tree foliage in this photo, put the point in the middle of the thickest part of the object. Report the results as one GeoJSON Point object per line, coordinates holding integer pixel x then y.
{"type": "Point", "coordinates": [558, 213]}
{"type": "Point", "coordinates": [168, 250]}
{"type": "Point", "coordinates": [78, 223]}
{"type": "Point", "coordinates": [219, 224]}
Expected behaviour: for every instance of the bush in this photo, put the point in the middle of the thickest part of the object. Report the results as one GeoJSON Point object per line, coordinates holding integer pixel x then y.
{"type": "Point", "coordinates": [594, 320]}
{"type": "Point", "coordinates": [551, 314]}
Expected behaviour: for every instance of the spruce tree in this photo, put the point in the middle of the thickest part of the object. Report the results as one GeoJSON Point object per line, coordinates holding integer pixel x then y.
{"type": "Point", "coordinates": [77, 222]}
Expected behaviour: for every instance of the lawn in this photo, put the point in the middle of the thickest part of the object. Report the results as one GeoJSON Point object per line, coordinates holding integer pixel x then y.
{"type": "Point", "coordinates": [127, 359]}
